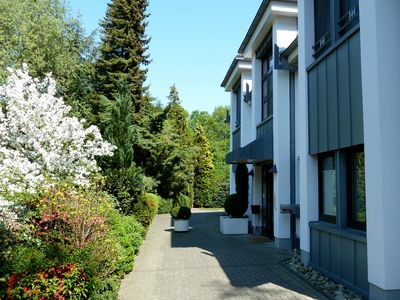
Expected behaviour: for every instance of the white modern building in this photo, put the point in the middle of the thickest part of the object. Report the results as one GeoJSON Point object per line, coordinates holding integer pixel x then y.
{"type": "Point", "coordinates": [315, 116]}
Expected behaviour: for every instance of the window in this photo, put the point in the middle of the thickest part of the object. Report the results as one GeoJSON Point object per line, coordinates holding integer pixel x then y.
{"type": "Point", "coordinates": [344, 14]}
{"type": "Point", "coordinates": [237, 92]}
{"type": "Point", "coordinates": [356, 191]}
{"type": "Point", "coordinates": [322, 23]}
{"type": "Point", "coordinates": [327, 187]}
{"type": "Point", "coordinates": [266, 83]}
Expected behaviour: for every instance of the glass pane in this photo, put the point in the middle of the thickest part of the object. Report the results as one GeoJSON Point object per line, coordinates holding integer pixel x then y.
{"type": "Point", "coordinates": [264, 110]}
{"type": "Point", "coordinates": [322, 18]}
{"type": "Point", "coordinates": [265, 66]}
{"type": "Point", "coordinates": [329, 186]}
{"type": "Point", "coordinates": [359, 188]}
{"type": "Point", "coordinates": [264, 88]}
{"type": "Point", "coordinates": [348, 15]}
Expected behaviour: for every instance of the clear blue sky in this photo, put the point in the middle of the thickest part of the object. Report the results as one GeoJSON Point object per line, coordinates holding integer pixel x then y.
{"type": "Point", "coordinates": [192, 45]}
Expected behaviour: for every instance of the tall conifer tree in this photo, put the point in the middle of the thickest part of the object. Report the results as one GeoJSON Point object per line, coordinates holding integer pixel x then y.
{"type": "Point", "coordinates": [123, 51]}
{"type": "Point", "coordinates": [203, 170]}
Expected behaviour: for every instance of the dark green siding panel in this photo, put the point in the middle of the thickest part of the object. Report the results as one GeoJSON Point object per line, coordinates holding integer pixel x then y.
{"type": "Point", "coordinates": [331, 101]}
{"type": "Point", "coordinates": [315, 246]}
{"type": "Point", "coordinates": [348, 260]}
{"type": "Point", "coordinates": [324, 250]}
{"type": "Point", "coordinates": [355, 91]}
{"type": "Point", "coordinates": [361, 266]}
{"type": "Point", "coordinates": [322, 120]}
{"type": "Point", "coordinates": [313, 111]}
{"type": "Point", "coordinates": [343, 95]}
{"type": "Point", "coordinates": [336, 254]}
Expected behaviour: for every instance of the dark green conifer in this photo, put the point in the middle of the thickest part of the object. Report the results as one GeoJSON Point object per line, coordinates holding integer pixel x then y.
{"type": "Point", "coordinates": [123, 51]}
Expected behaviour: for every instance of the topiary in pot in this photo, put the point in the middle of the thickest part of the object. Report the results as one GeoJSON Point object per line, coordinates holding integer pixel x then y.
{"type": "Point", "coordinates": [240, 201]}
{"type": "Point", "coordinates": [234, 207]}
{"type": "Point", "coordinates": [181, 213]}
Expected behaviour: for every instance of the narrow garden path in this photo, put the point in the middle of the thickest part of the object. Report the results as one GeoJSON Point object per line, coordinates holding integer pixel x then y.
{"type": "Point", "coordinates": [204, 264]}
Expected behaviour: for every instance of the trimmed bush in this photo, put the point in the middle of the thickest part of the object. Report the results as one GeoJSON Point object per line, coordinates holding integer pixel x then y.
{"type": "Point", "coordinates": [234, 207]}
{"type": "Point", "coordinates": [165, 206]}
{"type": "Point", "coordinates": [181, 213]}
{"type": "Point", "coordinates": [146, 208]}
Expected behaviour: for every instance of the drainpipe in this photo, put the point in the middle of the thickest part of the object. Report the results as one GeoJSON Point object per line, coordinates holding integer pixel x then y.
{"type": "Point", "coordinates": [292, 157]}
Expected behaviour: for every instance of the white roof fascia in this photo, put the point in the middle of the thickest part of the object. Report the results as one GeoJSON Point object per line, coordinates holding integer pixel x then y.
{"type": "Point", "coordinates": [241, 66]}
{"type": "Point", "coordinates": [275, 8]}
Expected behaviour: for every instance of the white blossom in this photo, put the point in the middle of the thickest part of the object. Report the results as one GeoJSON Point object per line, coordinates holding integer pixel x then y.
{"type": "Point", "coordinates": [39, 142]}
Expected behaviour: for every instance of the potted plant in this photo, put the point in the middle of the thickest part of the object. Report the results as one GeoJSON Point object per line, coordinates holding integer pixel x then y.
{"type": "Point", "coordinates": [181, 215]}
{"type": "Point", "coordinates": [236, 205]}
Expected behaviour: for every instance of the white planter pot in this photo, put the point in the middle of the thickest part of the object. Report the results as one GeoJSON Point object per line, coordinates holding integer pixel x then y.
{"type": "Point", "coordinates": [229, 225]}
{"type": "Point", "coordinates": [181, 225]}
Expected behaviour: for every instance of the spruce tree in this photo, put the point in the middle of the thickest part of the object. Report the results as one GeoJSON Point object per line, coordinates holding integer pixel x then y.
{"type": "Point", "coordinates": [123, 51]}
{"type": "Point", "coordinates": [204, 168]}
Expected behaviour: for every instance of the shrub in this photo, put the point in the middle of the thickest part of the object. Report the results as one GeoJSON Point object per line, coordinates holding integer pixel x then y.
{"type": "Point", "coordinates": [146, 208]}
{"type": "Point", "coordinates": [234, 207]}
{"type": "Point", "coordinates": [183, 200]}
{"type": "Point", "coordinates": [61, 282]}
{"type": "Point", "coordinates": [181, 212]}
{"type": "Point", "coordinates": [165, 206]}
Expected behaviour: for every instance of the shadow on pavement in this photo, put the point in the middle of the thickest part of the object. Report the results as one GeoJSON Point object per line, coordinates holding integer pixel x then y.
{"type": "Point", "coordinates": [247, 264]}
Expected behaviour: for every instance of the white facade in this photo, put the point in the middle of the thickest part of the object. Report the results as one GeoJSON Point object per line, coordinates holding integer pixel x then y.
{"type": "Point", "coordinates": [372, 267]}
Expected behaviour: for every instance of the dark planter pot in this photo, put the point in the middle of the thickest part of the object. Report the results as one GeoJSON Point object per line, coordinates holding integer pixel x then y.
{"type": "Point", "coordinates": [255, 209]}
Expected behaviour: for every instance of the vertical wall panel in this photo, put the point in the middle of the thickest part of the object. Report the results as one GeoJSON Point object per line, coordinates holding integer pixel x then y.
{"type": "Point", "coordinates": [348, 259]}
{"type": "Point", "coordinates": [322, 120]}
{"type": "Point", "coordinates": [343, 96]}
{"type": "Point", "coordinates": [331, 101]}
{"type": "Point", "coordinates": [335, 97]}
{"type": "Point", "coordinates": [324, 256]}
{"type": "Point", "coordinates": [336, 255]}
{"type": "Point", "coordinates": [355, 91]}
{"type": "Point", "coordinates": [361, 266]}
{"type": "Point", "coordinates": [313, 110]}
{"type": "Point", "coordinates": [315, 246]}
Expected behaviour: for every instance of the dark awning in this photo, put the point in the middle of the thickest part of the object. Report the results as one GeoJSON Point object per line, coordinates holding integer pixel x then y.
{"type": "Point", "coordinates": [258, 150]}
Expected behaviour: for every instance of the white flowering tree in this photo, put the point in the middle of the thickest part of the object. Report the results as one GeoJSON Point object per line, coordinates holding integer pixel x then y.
{"type": "Point", "coordinates": [39, 141]}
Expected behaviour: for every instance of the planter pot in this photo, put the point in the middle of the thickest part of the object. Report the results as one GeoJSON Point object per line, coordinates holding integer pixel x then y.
{"type": "Point", "coordinates": [229, 225]}
{"type": "Point", "coordinates": [181, 225]}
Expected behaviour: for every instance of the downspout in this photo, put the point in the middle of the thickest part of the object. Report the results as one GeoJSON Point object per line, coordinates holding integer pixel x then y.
{"type": "Point", "coordinates": [292, 156]}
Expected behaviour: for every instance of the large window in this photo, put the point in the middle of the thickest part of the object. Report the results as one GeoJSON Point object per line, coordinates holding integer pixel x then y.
{"type": "Point", "coordinates": [327, 187]}
{"type": "Point", "coordinates": [238, 93]}
{"type": "Point", "coordinates": [266, 81]}
{"type": "Point", "coordinates": [342, 190]}
{"type": "Point", "coordinates": [356, 191]}
{"type": "Point", "coordinates": [343, 13]}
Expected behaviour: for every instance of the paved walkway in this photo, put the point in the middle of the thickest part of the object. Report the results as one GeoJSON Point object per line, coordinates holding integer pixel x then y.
{"type": "Point", "coordinates": [204, 264]}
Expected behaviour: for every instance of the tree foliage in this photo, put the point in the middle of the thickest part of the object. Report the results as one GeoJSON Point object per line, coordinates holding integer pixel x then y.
{"type": "Point", "coordinates": [217, 132]}
{"type": "Point", "coordinates": [204, 168]}
{"type": "Point", "coordinates": [123, 51]}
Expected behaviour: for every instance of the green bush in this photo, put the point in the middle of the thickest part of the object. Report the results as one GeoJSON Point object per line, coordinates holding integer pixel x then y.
{"type": "Point", "coordinates": [181, 212]}
{"type": "Point", "coordinates": [69, 226]}
{"type": "Point", "coordinates": [234, 207]}
{"type": "Point", "coordinates": [183, 200]}
{"type": "Point", "coordinates": [146, 208]}
{"type": "Point", "coordinates": [165, 206]}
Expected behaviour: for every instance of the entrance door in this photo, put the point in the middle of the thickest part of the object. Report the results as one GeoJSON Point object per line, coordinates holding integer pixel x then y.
{"type": "Point", "coordinates": [267, 212]}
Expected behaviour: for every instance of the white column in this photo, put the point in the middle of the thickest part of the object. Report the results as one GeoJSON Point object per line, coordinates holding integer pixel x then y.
{"type": "Point", "coordinates": [284, 32]}
{"type": "Point", "coordinates": [380, 61]}
{"type": "Point", "coordinates": [308, 166]}
{"type": "Point", "coordinates": [257, 193]}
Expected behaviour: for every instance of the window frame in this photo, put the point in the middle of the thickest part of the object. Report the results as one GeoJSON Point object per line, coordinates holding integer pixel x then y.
{"type": "Point", "coordinates": [322, 216]}
{"type": "Point", "coordinates": [337, 30]}
{"type": "Point", "coordinates": [238, 93]}
{"type": "Point", "coordinates": [267, 77]}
